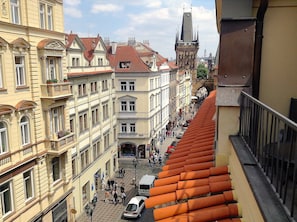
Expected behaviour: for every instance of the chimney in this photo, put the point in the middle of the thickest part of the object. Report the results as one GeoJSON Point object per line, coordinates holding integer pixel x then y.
{"type": "Point", "coordinates": [113, 48]}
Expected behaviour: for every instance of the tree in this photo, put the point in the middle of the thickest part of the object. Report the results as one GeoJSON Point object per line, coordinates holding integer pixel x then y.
{"type": "Point", "coordinates": [202, 71]}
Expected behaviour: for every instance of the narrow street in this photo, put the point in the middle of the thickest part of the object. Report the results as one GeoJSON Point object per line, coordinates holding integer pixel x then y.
{"type": "Point", "coordinates": [107, 212]}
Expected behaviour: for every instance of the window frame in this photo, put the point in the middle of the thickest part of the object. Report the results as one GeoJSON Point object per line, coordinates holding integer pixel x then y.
{"type": "Point", "coordinates": [20, 71]}
{"type": "Point", "coordinates": [2, 198]}
{"type": "Point", "coordinates": [56, 165]}
{"type": "Point", "coordinates": [3, 135]}
{"type": "Point", "coordinates": [25, 131]}
{"type": "Point", "coordinates": [15, 12]}
{"type": "Point", "coordinates": [31, 184]}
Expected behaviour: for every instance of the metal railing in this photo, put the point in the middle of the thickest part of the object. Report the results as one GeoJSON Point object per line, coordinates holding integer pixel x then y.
{"type": "Point", "coordinates": [271, 138]}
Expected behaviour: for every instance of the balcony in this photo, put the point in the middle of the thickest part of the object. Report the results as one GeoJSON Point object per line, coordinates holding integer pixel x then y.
{"type": "Point", "coordinates": [58, 146]}
{"type": "Point", "coordinates": [54, 90]}
{"type": "Point", "coordinates": [267, 140]}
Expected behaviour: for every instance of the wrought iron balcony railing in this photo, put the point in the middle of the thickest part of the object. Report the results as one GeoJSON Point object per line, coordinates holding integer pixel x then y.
{"type": "Point", "coordinates": [272, 139]}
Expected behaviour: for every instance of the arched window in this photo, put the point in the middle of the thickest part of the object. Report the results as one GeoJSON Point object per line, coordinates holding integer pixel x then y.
{"type": "Point", "coordinates": [3, 138]}
{"type": "Point", "coordinates": [25, 130]}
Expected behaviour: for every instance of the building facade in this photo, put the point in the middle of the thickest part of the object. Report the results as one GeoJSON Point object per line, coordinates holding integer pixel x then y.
{"type": "Point", "coordinates": [35, 154]}
{"type": "Point", "coordinates": [139, 94]}
{"type": "Point", "coordinates": [92, 118]}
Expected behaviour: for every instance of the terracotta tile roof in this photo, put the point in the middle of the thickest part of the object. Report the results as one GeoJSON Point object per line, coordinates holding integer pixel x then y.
{"type": "Point", "coordinates": [190, 187]}
{"type": "Point", "coordinates": [70, 39]}
{"type": "Point", "coordinates": [126, 53]}
{"type": "Point", "coordinates": [90, 45]}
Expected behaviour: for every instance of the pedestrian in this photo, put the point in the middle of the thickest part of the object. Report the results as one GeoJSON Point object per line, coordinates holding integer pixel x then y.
{"type": "Point", "coordinates": [120, 172]}
{"type": "Point", "coordinates": [150, 163]}
{"type": "Point", "coordinates": [160, 159]}
{"type": "Point", "coordinates": [123, 197]}
{"type": "Point", "coordinates": [122, 188]}
{"type": "Point", "coordinates": [115, 197]}
{"type": "Point", "coordinates": [106, 197]}
{"type": "Point", "coordinates": [108, 184]}
{"type": "Point", "coordinates": [123, 172]}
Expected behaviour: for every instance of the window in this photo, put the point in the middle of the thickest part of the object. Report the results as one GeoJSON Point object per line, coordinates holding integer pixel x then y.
{"type": "Point", "coordinates": [106, 141]}
{"type": "Point", "coordinates": [96, 149]}
{"type": "Point", "coordinates": [73, 164]}
{"type": "Point", "coordinates": [131, 86]}
{"type": "Point", "coordinates": [82, 90]}
{"type": "Point", "coordinates": [114, 134]}
{"type": "Point", "coordinates": [123, 105]}
{"type": "Point", "coordinates": [123, 127]}
{"type": "Point", "coordinates": [28, 182]}
{"type": "Point", "coordinates": [50, 17]}
{"type": "Point", "coordinates": [132, 127]}
{"type": "Point", "coordinates": [95, 116]}
{"type": "Point", "coordinates": [20, 71]}
{"type": "Point", "coordinates": [72, 128]}
{"type": "Point", "coordinates": [104, 85]}
{"type": "Point", "coordinates": [1, 76]}
{"type": "Point", "coordinates": [51, 68]}
{"type": "Point", "coordinates": [127, 86]}
{"type": "Point", "coordinates": [131, 105]}
{"type": "Point", "coordinates": [128, 128]}
{"type": "Point", "coordinates": [6, 198]}
{"type": "Point", "coordinates": [128, 106]}
{"type": "Point", "coordinates": [94, 87]}
{"type": "Point", "coordinates": [113, 107]}
{"type": "Point", "coordinates": [56, 169]}
{"type": "Point", "coordinates": [105, 111]}
{"type": "Point", "coordinates": [3, 138]}
{"type": "Point", "coordinates": [123, 86]}
{"type": "Point", "coordinates": [124, 65]}
{"type": "Point", "coordinates": [42, 15]}
{"type": "Point", "coordinates": [100, 62]}
{"type": "Point", "coordinates": [25, 131]}
{"type": "Point", "coordinates": [57, 119]}
{"type": "Point", "coordinates": [151, 84]}
{"type": "Point", "coordinates": [84, 159]}
{"type": "Point", "coordinates": [75, 62]}
{"type": "Point", "coordinates": [83, 122]}
{"type": "Point", "coordinates": [15, 11]}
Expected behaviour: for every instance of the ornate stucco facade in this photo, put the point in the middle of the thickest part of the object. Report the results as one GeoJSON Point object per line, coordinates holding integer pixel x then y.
{"type": "Point", "coordinates": [35, 157]}
{"type": "Point", "coordinates": [92, 118]}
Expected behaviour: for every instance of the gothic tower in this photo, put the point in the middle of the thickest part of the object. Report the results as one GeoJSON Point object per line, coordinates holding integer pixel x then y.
{"type": "Point", "coordinates": [186, 47]}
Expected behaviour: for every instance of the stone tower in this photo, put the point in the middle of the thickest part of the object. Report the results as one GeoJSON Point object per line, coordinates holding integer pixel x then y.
{"type": "Point", "coordinates": [186, 48]}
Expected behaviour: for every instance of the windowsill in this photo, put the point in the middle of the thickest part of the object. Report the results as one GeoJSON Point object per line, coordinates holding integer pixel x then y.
{"type": "Point", "coordinates": [22, 87]}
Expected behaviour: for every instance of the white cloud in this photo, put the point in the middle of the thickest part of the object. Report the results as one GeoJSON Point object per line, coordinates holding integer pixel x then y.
{"type": "Point", "coordinates": [160, 26]}
{"type": "Point", "coordinates": [105, 8]}
{"type": "Point", "coordinates": [73, 12]}
{"type": "Point", "coordinates": [72, 2]}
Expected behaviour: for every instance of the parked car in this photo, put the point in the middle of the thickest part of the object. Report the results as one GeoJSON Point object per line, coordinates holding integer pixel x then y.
{"type": "Point", "coordinates": [179, 135]}
{"type": "Point", "coordinates": [134, 207]}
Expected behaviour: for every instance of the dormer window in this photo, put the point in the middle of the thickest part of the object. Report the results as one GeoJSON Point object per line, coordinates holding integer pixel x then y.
{"type": "Point", "coordinates": [124, 65]}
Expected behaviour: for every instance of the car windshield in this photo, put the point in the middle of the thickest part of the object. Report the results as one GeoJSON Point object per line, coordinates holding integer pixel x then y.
{"type": "Point", "coordinates": [131, 207]}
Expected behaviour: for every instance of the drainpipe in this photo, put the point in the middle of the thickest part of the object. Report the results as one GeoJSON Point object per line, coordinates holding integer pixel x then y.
{"type": "Point", "coordinates": [258, 47]}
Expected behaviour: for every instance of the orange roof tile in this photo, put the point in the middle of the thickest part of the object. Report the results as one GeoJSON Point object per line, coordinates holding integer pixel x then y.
{"type": "Point", "coordinates": [126, 53]}
{"type": "Point", "coordinates": [190, 187]}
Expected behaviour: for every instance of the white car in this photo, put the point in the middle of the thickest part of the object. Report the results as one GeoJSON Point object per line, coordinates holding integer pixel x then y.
{"type": "Point", "coordinates": [134, 207]}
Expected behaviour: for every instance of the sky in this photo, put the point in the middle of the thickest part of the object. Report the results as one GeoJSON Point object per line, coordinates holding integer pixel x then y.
{"type": "Point", "coordinates": [157, 21]}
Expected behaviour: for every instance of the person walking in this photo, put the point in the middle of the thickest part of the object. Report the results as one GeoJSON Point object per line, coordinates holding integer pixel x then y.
{"type": "Point", "coordinates": [115, 197]}
{"type": "Point", "coordinates": [123, 197]}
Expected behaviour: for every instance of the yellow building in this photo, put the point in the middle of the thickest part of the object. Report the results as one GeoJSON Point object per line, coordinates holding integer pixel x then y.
{"type": "Point", "coordinates": [92, 118]}
{"type": "Point", "coordinates": [35, 169]}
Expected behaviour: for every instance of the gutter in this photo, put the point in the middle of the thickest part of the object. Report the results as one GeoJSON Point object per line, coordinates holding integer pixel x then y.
{"type": "Point", "coordinates": [258, 47]}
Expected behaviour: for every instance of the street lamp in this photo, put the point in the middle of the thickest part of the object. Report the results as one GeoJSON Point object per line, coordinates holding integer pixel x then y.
{"type": "Point", "coordinates": [90, 207]}
{"type": "Point", "coordinates": [135, 162]}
